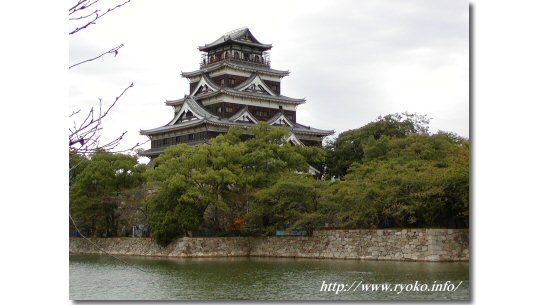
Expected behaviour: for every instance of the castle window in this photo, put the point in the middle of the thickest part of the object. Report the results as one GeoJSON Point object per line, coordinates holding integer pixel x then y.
{"type": "Point", "coordinates": [232, 81]}
{"type": "Point", "coordinates": [219, 109]}
{"type": "Point", "coordinates": [229, 109]}
{"type": "Point", "coordinates": [236, 55]}
{"type": "Point", "coordinates": [189, 115]}
{"type": "Point", "coordinates": [262, 113]}
{"type": "Point", "coordinates": [222, 82]}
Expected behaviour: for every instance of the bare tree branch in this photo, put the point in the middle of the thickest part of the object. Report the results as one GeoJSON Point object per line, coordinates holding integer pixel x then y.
{"type": "Point", "coordinates": [74, 113]}
{"type": "Point", "coordinates": [85, 16]}
{"type": "Point", "coordinates": [113, 50]}
{"type": "Point", "coordinates": [81, 6]}
{"type": "Point", "coordinates": [84, 138]}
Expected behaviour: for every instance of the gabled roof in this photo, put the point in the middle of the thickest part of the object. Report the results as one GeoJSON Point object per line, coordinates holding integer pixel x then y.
{"type": "Point", "coordinates": [206, 81]}
{"type": "Point", "coordinates": [280, 119]}
{"type": "Point", "coordinates": [238, 65]}
{"type": "Point", "coordinates": [293, 139]}
{"type": "Point", "coordinates": [184, 110]}
{"type": "Point", "coordinates": [189, 104]}
{"type": "Point", "coordinates": [199, 110]}
{"type": "Point", "coordinates": [255, 80]}
{"type": "Point", "coordinates": [241, 36]}
{"type": "Point", "coordinates": [243, 115]}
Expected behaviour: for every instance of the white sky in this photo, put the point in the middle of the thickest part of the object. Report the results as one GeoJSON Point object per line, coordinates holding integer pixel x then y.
{"type": "Point", "coordinates": [351, 60]}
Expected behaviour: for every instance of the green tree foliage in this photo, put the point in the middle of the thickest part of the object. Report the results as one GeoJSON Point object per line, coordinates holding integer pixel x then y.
{"type": "Point", "coordinates": [404, 177]}
{"type": "Point", "coordinates": [419, 180]}
{"type": "Point", "coordinates": [253, 181]}
{"type": "Point", "coordinates": [294, 202]}
{"type": "Point", "coordinates": [192, 179]}
{"type": "Point", "coordinates": [95, 187]}
{"type": "Point", "coordinates": [77, 163]}
{"type": "Point", "coordinates": [348, 147]}
{"type": "Point", "coordinates": [211, 185]}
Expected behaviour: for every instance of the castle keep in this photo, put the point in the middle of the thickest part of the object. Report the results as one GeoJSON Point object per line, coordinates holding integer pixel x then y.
{"type": "Point", "coordinates": [235, 85]}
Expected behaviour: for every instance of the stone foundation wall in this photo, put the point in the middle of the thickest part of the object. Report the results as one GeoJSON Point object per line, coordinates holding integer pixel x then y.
{"type": "Point", "coordinates": [388, 244]}
{"type": "Point", "coordinates": [406, 244]}
{"type": "Point", "coordinates": [183, 247]}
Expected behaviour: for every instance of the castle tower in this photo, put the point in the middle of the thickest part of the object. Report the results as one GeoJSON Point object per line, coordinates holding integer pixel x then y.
{"type": "Point", "coordinates": [235, 85]}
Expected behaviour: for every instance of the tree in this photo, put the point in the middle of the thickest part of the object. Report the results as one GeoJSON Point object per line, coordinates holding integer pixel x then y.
{"type": "Point", "coordinates": [294, 202]}
{"type": "Point", "coordinates": [214, 184]}
{"type": "Point", "coordinates": [96, 187]}
{"type": "Point", "coordinates": [348, 147]}
{"type": "Point", "coordinates": [192, 179]}
{"type": "Point", "coordinates": [418, 180]}
{"type": "Point", "coordinates": [85, 135]}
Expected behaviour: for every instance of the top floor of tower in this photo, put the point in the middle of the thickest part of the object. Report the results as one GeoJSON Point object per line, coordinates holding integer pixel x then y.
{"type": "Point", "coordinates": [238, 45]}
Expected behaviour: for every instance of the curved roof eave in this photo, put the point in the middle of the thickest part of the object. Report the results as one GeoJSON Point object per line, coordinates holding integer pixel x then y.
{"type": "Point", "coordinates": [279, 98]}
{"type": "Point", "coordinates": [235, 65]}
{"type": "Point", "coordinates": [164, 128]}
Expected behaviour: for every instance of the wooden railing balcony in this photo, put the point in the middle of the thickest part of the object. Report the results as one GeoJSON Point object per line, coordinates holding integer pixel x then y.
{"type": "Point", "coordinates": [208, 61]}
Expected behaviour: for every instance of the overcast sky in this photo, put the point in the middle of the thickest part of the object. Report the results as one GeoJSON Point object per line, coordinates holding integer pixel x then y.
{"type": "Point", "coordinates": [351, 60]}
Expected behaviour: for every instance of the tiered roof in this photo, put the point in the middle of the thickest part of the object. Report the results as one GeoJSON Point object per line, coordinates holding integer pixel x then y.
{"type": "Point", "coordinates": [202, 116]}
{"type": "Point", "coordinates": [241, 36]}
{"type": "Point", "coordinates": [237, 65]}
{"type": "Point", "coordinates": [192, 113]}
{"type": "Point", "coordinates": [239, 90]}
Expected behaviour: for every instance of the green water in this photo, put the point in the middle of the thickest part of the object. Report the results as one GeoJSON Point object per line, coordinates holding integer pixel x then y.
{"type": "Point", "coordinates": [104, 278]}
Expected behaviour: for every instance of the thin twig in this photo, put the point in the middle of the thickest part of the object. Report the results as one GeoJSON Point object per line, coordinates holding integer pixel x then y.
{"type": "Point", "coordinates": [85, 16]}
{"type": "Point", "coordinates": [74, 113]}
{"type": "Point", "coordinates": [76, 6]}
{"type": "Point", "coordinates": [87, 133]}
{"type": "Point", "coordinates": [113, 50]}
{"type": "Point", "coordinates": [97, 16]}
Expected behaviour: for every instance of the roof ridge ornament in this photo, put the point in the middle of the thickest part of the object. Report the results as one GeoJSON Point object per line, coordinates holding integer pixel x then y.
{"type": "Point", "coordinates": [227, 34]}
{"type": "Point", "coordinates": [242, 36]}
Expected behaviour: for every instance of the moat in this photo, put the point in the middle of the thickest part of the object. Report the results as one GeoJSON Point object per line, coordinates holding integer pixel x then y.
{"type": "Point", "coordinates": [101, 277]}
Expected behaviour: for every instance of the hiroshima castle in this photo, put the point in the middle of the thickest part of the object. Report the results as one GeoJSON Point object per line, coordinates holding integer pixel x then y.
{"type": "Point", "coordinates": [235, 86]}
